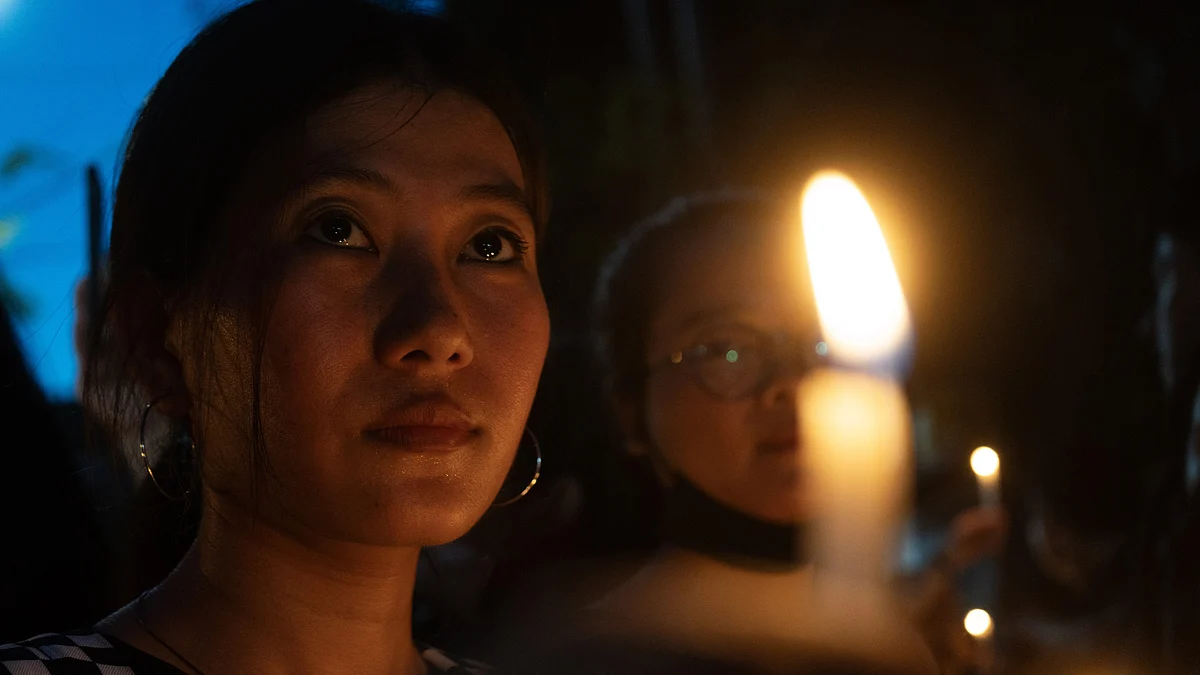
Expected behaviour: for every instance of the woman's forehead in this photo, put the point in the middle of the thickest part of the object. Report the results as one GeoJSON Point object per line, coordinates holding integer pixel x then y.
{"type": "Point", "coordinates": [715, 279]}
{"type": "Point", "coordinates": [410, 133]}
{"type": "Point", "coordinates": [442, 150]}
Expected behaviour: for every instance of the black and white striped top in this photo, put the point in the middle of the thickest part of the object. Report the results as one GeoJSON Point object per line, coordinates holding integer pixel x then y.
{"type": "Point", "coordinates": [90, 653]}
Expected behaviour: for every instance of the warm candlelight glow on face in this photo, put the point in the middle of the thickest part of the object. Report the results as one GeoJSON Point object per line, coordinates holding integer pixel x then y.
{"type": "Point", "coordinates": [978, 623]}
{"type": "Point", "coordinates": [859, 300]}
{"type": "Point", "coordinates": [985, 462]}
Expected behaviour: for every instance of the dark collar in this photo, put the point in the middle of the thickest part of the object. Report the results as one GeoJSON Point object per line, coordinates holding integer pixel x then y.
{"type": "Point", "coordinates": [697, 522]}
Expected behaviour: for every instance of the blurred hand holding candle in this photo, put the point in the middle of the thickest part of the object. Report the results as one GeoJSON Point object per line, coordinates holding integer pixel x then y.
{"type": "Point", "coordinates": [986, 465]}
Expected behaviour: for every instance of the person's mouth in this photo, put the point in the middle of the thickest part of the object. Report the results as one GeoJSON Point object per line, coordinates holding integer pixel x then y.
{"type": "Point", "coordinates": [781, 444]}
{"type": "Point", "coordinates": [433, 423]}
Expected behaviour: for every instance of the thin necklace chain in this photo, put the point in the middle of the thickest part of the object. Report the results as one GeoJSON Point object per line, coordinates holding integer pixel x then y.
{"type": "Point", "coordinates": [141, 619]}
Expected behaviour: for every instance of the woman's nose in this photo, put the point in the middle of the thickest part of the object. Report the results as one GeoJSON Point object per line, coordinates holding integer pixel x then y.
{"type": "Point", "coordinates": [781, 390]}
{"type": "Point", "coordinates": [424, 331]}
{"type": "Point", "coordinates": [789, 367]}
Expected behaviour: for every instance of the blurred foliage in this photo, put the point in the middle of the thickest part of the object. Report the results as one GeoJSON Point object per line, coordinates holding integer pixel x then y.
{"type": "Point", "coordinates": [13, 301]}
{"type": "Point", "coordinates": [8, 230]}
{"type": "Point", "coordinates": [15, 162]}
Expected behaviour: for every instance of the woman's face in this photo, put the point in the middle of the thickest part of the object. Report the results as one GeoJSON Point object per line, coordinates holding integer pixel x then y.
{"type": "Point", "coordinates": [733, 294]}
{"type": "Point", "coordinates": [403, 348]}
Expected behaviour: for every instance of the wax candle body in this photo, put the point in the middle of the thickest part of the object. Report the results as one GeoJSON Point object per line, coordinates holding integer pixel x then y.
{"type": "Point", "coordinates": [855, 434]}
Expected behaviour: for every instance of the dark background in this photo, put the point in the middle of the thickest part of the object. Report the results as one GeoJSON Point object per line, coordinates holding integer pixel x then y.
{"type": "Point", "coordinates": [1019, 160]}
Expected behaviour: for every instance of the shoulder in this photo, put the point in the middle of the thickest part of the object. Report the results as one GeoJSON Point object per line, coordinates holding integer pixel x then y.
{"type": "Point", "coordinates": [72, 653]}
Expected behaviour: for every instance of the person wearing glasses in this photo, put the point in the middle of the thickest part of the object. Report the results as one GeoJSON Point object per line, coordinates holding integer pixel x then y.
{"type": "Point", "coordinates": [703, 327]}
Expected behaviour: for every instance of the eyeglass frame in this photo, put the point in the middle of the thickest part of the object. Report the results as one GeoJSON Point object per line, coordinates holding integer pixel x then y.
{"type": "Point", "coordinates": [799, 360]}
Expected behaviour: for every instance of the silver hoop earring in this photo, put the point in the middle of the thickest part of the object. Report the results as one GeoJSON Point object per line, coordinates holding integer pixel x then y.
{"type": "Point", "coordinates": [142, 450]}
{"type": "Point", "coordinates": [537, 470]}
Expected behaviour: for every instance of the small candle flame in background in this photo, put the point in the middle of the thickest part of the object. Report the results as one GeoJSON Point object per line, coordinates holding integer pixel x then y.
{"type": "Point", "coordinates": [985, 462]}
{"type": "Point", "coordinates": [978, 623]}
{"type": "Point", "coordinates": [861, 306]}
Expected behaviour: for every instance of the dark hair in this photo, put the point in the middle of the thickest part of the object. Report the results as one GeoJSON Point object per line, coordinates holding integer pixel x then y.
{"type": "Point", "coordinates": [626, 296]}
{"type": "Point", "coordinates": [1180, 218]}
{"type": "Point", "coordinates": [251, 75]}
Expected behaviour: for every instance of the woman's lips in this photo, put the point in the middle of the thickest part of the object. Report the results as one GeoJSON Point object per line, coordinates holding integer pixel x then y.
{"type": "Point", "coordinates": [429, 424]}
{"type": "Point", "coordinates": [420, 437]}
{"type": "Point", "coordinates": [781, 445]}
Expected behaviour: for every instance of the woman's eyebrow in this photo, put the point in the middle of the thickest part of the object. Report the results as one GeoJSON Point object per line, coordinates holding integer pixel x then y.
{"type": "Point", "coordinates": [346, 173]}
{"type": "Point", "coordinates": [732, 314]}
{"type": "Point", "coordinates": [504, 192]}
{"type": "Point", "coordinates": [729, 313]}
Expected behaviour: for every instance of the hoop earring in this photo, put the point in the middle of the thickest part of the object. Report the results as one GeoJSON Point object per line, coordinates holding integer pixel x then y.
{"type": "Point", "coordinates": [142, 450]}
{"type": "Point", "coordinates": [537, 471]}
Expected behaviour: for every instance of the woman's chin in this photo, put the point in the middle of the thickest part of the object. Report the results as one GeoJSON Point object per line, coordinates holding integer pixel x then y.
{"type": "Point", "coordinates": [411, 524]}
{"type": "Point", "coordinates": [783, 511]}
{"type": "Point", "coordinates": [435, 527]}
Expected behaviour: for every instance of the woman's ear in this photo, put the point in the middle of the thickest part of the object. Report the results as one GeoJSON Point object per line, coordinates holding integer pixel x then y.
{"type": "Point", "coordinates": [633, 428]}
{"type": "Point", "coordinates": [152, 339]}
{"type": "Point", "coordinates": [177, 401]}
{"type": "Point", "coordinates": [638, 443]}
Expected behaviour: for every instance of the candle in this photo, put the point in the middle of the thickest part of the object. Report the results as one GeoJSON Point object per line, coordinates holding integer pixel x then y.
{"type": "Point", "coordinates": [855, 431]}
{"type": "Point", "coordinates": [854, 418]}
{"type": "Point", "coordinates": [979, 626]}
{"type": "Point", "coordinates": [986, 465]}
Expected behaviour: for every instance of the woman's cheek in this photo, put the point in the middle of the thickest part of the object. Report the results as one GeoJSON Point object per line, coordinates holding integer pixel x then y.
{"type": "Point", "coordinates": [512, 329]}
{"type": "Point", "coordinates": [319, 334]}
{"type": "Point", "coordinates": [679, 422]}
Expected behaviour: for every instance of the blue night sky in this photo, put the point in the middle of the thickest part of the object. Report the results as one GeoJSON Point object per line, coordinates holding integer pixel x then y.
{"type": "Point", "coordinates": [72, 74]}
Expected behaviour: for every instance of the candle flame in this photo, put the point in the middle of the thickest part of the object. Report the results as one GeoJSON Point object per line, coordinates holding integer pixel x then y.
{"type": "Point", "coordinates": [859, 300]}
{"type": "Point", "coordinates": [985, 462]}
{"type": "Point", "coordinates": [978, 623]}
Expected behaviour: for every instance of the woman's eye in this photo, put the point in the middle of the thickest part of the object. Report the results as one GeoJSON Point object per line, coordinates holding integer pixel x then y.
{"type": "Point", "coordinates": [340, 229]}
{"type": "Point", "coordinates": [723, 350]}
{"type": "Point", "coordinates": [728, 351]}
{"type": "Point", "coordinates": [726, 340]}
{"type": "Point", "coordinates": [495, 246]}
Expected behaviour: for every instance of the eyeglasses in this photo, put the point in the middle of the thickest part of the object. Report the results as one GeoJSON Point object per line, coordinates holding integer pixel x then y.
{"type": "Point", "coordinates": [743, 362]}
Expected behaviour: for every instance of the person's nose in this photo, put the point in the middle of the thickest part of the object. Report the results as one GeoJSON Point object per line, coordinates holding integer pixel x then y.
{"type": "Point", "coordinates": [423, 331]}
{"type": "Point", "coordinates": [787, 369]}
{"type": "Point", "coordinates": [781, 390]}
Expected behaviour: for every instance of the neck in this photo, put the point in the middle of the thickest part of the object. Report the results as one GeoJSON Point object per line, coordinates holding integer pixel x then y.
{"type": "Point", "coordinates": [696, 522]}
{"type": "Point", "coordinates": [251, 597]}
{"type": "Point", "coordinates": [672, 559]}
{"type": "Point", "coordinates": [678, 582]}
